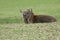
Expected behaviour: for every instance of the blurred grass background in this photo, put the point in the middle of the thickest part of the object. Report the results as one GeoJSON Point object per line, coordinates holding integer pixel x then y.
{"type": "Point", "coordinates": [10, 14]}
{"type": "Point", "coordinates": [10, 9]}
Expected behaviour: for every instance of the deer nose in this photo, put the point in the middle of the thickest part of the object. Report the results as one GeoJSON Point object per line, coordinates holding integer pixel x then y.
{"type": "Point", "coordinates": [24, 15]}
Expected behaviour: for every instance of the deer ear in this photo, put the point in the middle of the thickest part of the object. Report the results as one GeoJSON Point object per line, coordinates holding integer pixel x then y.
{"type": "Point", "coordinates": [21, 11]}
{"type": "Point", "coordinates": [30, 10]}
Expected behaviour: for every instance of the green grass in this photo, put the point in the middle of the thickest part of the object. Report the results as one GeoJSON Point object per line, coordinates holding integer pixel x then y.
{"type": "Point", "coordinates": [12, 26]}
{"type": "Point", "coordinates": [11, 8]}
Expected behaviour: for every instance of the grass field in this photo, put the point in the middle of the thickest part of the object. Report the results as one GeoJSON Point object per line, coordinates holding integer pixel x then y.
{"type": "Point", "coordinates": [12, 26]}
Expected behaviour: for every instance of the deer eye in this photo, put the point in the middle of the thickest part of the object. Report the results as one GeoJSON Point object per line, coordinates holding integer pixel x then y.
{"type": "Point", "coordinates": [27, 13]}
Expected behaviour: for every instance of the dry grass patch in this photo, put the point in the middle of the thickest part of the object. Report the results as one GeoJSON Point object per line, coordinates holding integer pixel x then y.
{"type": "Point", "coordinates": [39, 31]}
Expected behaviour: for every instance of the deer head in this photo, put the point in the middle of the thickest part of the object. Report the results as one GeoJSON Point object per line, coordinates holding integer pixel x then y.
{"type": "Point", "coordinates": [26, 13]}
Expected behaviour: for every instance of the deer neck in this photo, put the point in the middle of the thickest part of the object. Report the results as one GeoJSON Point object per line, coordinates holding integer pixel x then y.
{"type": "Point", "coordinates": [30, 19]}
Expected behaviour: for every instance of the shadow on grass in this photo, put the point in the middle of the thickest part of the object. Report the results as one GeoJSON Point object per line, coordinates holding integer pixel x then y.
{"type": "Point", "coordinates": [10, 20]}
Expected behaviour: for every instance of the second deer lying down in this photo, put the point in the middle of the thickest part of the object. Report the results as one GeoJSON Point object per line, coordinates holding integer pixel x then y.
{"type": "Point", "coordinates": [29, 17]}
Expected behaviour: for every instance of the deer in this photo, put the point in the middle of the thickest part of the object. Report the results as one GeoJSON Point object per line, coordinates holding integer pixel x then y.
{"type": "Point", "coordinates": [30, 17]}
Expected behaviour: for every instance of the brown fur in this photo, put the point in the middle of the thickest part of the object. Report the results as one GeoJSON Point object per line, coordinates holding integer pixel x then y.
{"type": "Point", "coordinates": [29, 17]}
